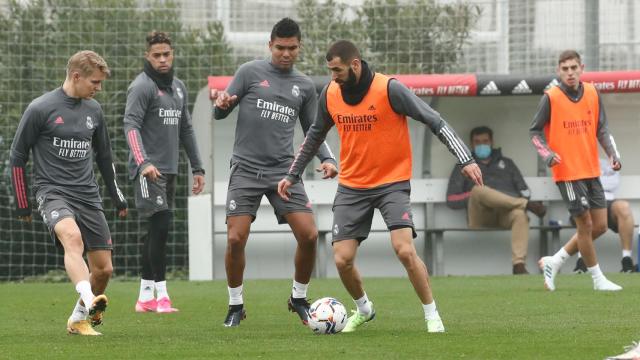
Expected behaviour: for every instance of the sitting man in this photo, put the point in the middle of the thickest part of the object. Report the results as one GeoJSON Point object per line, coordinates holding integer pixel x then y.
{"type": "Point", "coordinates": [501, 202]}
{"type": "Point", "coordinates": [619, 218]}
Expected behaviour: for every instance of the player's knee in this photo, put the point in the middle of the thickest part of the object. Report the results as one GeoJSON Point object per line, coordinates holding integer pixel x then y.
{"type": "Point", "coordinates": [621, 209]}
{"type": "Point", "coordinates": [598, 229]}
{"type": "Point", "coordinates": [103, 272]}
{"type": "Point", "coordinates": [406, 255]}
{"type": "Point", "coordinates": [343, 262]}
{"type": "Point", "coordinates": [71, 241]}
{"type": "Point", "coordinates": [308, 239]}
{"type": "Point", "coordinates": [236, 242]}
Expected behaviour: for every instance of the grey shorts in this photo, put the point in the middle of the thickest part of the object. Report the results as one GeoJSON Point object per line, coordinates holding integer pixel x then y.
{"type": "Point", "coordinates": [353, 213]}
{"type": "Point", "coordinates": [90, 220]}
{"type": "Point", "coordinates": [247, 186]}
{"type": "Point", "coordinates": [154, 196]}
{"type": "Point", "coordinates": [582, 195]}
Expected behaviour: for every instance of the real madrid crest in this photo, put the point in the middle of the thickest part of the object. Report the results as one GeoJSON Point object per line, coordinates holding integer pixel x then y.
{"type": "Point", "coordinates": [179, 92]}
{"type": "Point", "coordinates": [89, 123]}
{"type": "Point", "coordinates": [295, 90]}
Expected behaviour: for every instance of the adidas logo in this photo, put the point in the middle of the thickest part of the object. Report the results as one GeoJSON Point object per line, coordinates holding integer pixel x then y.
{"type": "Point", "coordinates": [522, 88]}
{"type": "Point", "coordinates": [490, 89]}
{"type": "Point", "coordinates": [264, 83]}
{"type": "Point", "coordinates": [59, 120]}
{"type": "Point", "coordinates": [372, 108]}
{"type": "Point", "coordinates": [553, 83]}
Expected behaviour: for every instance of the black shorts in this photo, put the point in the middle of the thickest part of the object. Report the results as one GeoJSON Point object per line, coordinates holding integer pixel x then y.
{"type": "Point", "coordinates": [90, 220]}
{"type": "Point", "coordinates": [582, 195]}
{"type": "Point", "coordinates": [353, 213]}
{"type": "Point", "coordinates": [611, 221]}
{"type": "Point", "coordinates": [154, 196]}
{"type": "Point", "coordinates": [247, 186]}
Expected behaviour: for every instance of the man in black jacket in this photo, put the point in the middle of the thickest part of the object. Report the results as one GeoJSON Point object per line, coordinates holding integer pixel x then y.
{"type": "Point", "coordinates": [502, 202]}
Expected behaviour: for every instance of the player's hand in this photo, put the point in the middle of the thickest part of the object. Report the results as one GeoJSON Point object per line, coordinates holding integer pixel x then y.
{"type": "Point", "coordinates": [283, 189]}
{"type": "Point", "coordinates": [555, 161]}
{"type": "Point", "coordinates": [122, 213]}
{"type": "Point", "coordinates": [26, 218]}
{"type": "Point", "coordinates": [472, 171]}
{"type": "Point", "coordinates": [616, 165]}
{"type": "Point", "coordinates": [198, 184]}
{"type": "Point", "coordinates": [151, 172]}
{"type": "Point", "coordinates": [328, 170]}
{"type": "Point", "coordinates": [222, 99]}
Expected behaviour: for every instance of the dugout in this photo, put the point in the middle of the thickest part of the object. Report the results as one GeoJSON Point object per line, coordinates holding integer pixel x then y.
{"type": "Point", "coordinates": [506, 103]}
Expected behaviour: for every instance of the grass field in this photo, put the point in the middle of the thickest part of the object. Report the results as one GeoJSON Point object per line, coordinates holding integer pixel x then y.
{"type": "Point", "coordinates": [499, 317]}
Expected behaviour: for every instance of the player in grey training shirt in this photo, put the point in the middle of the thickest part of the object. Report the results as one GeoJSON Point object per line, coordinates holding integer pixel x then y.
{"type": "Point", "coordinates": [66, 130]}
{"type": "Point", "coordinates": [271, 95]}
{"type": "Point", "coordinates": [156, 120]}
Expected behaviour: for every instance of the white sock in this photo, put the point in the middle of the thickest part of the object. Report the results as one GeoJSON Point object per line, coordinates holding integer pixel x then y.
{"type": "Point", "coordinates": [579, 255]}
{"type": "Point", "coordinates": [83, 287]}
{"type": "Point", "coordinates": [430, 311]}
{"type": "Point", "coordinates": [79, 312]}
{"type": "Point", "coordinates": [596, 273]}
{"type": "Point", "coordinates": [626, 253]}
{"type": "Point", "coordinates": [146, 290]}
{"type": "Point", "coordinates": [561, 256]}
{"type": "Point", "coordinates": [363, 304]}
{"type": "Point", "coordinates": [235, 295]}
{"type": "Point", "coordinates": [299, 290]}
{"type": "Point", "coordinates": [161, 290]}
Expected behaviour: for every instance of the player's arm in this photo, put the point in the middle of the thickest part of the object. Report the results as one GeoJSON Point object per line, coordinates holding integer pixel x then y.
{"type": "Point", "coordinates": [315, 137]}
{"type": "Point", "coordinates": [606, 139]}
{"type": "Point", "coordinates": [139, 97]}
{"type": "Point", "coordinates": [188, 140]}
{"type": "Point", "coordinates": [104, 159]}
{"type": "Point", "coordinates": [536, 132]}
{"type": "Point", "coordinates": [308, 113]}
{"type": "Point", "coordinates": [405, 102]}
{"type": "Point", "coordinates": [24, 139]}
{"type": "Point", "coordinates": [225, 101]}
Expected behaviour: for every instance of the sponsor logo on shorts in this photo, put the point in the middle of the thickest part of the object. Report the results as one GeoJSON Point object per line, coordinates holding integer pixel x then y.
{"type": "Point", "coordinates": [406, 216]}
{"type": "Point", "coordinates": [295, 91]}
{"type": "Point", "coordinates": [232, 205]}
{"type": "Point", "coordinates": [89, 123]}
{"type": "Point", "coordinates": [583, 201]}
{"type": "Point", "coordinates": [109, 242]}
{"type": "Point", "coordinates": [159, 200]}
{"type": "Point", "coordinates": [308, 205]}
{"type": "Point", "coordinates": [54, 215]}
{"type": "Point", "coordinates": [336, 230]}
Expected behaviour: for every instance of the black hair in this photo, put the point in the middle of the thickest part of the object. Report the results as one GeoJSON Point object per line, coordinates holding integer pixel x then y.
{"type": "Point", "coordinates": [345, 50]}
{"type": "Point", "coordinates": [158, 37]}
{"type": "Point", "coordinates": [286, 28]}
{"type": "Point", "coordinates": [481, 130]}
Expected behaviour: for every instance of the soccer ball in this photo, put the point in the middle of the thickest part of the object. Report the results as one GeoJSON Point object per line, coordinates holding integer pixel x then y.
{"type": "Point", "coordinates": [327, 316]}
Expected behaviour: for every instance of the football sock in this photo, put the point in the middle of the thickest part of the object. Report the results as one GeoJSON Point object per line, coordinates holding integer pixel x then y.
{"type": "Point", "coordinates": [626, 253]}
{"type": "Point", "coordinates": [146, 290]}
{"type": "Point", "coordinates": [83, 287]}
{"type": "Point", "coordinates": [79, 312]}
{"type": "Point", "coordinates": [579, 255]}
{"type": "Point", "coordinates": [561, 256]}
{"type": "Point", "coordinates": [235, 295]}
{"type": "Point", "coordinates": [161, 290]}
{"type": "Point", "coordinates": [364, 305]}
{"type": "Point", "coordinates": [595, 272]}
{"type": "Point", "coordinates": [299, 290]}
{"type": "Point", "coordinates": [430, 311]}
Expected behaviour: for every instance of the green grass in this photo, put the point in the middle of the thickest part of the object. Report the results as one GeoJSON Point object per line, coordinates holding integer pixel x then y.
{"type": "Point", "coordinates": [498, 317]}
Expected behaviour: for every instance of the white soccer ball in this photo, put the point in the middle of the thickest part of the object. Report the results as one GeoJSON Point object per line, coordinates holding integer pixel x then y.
{"type": "Point", "coordinates": [327, 316]}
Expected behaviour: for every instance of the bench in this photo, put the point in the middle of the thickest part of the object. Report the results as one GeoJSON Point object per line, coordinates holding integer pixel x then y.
{"type": "Point", "coordinates": [431, 218]}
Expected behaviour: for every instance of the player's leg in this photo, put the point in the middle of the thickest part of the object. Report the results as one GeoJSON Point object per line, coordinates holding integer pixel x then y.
{"type": "Point", "coordinates": [238, 228]}
{"type": "Point", "coordinates": [297, 213]}
{"type": "Point", "coordinates": [518, 221]}
{"type": "Point", "coordinates": [620, 220]}
{"type": "Point", "coordinates": [146, 205]}
{"type": "Point", "coordinates": [159, 225]}
{"type": "Point", "coordinates": [306, 234]}
{"type": "Point", "coordinates": [101, 269]}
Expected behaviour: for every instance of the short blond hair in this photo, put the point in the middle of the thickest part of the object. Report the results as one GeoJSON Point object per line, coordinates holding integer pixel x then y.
{"type": "Point", "coordinates": [86, 62]}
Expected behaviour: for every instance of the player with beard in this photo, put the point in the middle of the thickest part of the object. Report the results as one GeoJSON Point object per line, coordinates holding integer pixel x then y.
{"type": "Point", "coordinates": [370, 113]}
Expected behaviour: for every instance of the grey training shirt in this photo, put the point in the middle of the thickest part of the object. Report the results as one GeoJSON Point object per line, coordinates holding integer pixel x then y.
{"type": "Point", "coordinates": [155, 123]}
{"type": "Point", "coordinates": [63, 133]}
{"type": "Point", "coordinates": [270, 101]}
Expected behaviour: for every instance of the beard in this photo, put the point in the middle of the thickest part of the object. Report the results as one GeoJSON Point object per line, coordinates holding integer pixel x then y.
{"type": "Point", "coordinates": [350, 82]}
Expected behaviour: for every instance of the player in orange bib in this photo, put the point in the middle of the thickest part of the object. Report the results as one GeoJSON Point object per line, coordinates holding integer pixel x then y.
{"type": "Point", "coordinates": [370, 111]}
{"type": "Point", "coordinates": [566, 129]}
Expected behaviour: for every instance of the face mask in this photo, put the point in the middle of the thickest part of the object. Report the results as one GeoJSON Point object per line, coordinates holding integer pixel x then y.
{"type": "Point", "coordinates": [482, 151]}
